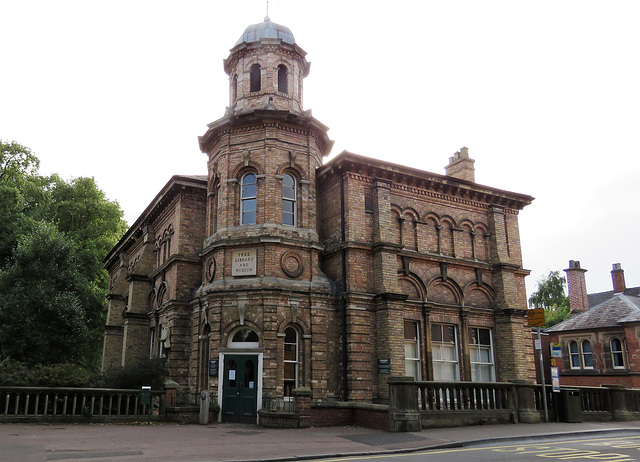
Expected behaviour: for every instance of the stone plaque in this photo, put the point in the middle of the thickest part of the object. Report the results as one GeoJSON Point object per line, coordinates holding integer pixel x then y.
{"type": "Point", "coordinates": [244, 263]}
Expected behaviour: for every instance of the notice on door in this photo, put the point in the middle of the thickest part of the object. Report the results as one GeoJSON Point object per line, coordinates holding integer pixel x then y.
{"type": "Point", "coordinates": [244, 263]}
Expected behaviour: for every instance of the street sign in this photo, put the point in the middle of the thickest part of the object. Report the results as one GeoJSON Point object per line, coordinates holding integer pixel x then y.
{"type": "Point", "coordinates": [536, 317]}
{"type": "Point", "coordinates": [556, 350]}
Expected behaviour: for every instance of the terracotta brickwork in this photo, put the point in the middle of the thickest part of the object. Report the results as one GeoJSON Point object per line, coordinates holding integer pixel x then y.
{"type": "Point", "coordinates": [320, 265]}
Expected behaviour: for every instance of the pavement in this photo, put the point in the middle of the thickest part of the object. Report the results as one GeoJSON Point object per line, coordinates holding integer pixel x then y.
{"type": "Point", "coordinates": [164, 442]}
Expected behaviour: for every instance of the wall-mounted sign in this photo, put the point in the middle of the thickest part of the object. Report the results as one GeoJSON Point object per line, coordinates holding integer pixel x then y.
{"type": "Point", "coordinates": [213, 368]}
{"type": "Point", "coordinates": [244, 263]}
{"type": "Point", "coordinates": [384, 366]}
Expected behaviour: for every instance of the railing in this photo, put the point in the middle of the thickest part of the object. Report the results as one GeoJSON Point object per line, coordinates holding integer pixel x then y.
{"type": "Point", "coordinates": [279, 404]}
{"type": "Point", "coordinates": [437, 396]}
{"type": "Point", "coordinates": [36, 402]}
{"type": "Point", "coordinates": [595, 399]}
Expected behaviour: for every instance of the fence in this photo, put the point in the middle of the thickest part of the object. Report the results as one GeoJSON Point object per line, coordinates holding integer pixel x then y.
{"type": "Point", "coordinates": [38, 403]}
{"type": "Point", "coordinates": [416, 405]}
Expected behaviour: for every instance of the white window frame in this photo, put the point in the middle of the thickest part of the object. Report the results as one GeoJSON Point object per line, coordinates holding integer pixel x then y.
{"type": "Point", "coordinates": [617, 352]}
{"type": "Point", "coordinates": [475, 350]}
{"type": "Point", "coordinates": [291, 361]}
{"type": "Point", "coordinates": [244, 199]}
{"type": "Point", "coordinates": [293, 200]}
{"type": "Point", "coordinates": [585, 354]}
{"type": "Point", "coordinates": [413, 362]}
{"type": "Point", "coordinates": [444, 346]}
{"type": "Point", "coordinates": [574, 355]}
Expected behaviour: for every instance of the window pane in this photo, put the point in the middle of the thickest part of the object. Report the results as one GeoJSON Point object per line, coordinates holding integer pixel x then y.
{"type": "Point", "coordinates": [287, 207]}
{"type": "Point", "coordinates": [436, 333]}
{"type": "Point", "coordinates": [485, 337]}
{"type": "Point", "coordinates": [410, 330]}
{"type": "Point", "coordinates": [249, 218]}
{"type": "Point", "coordinates": [573, 347]}
{"type": "Point", "coordinates": [586, 347]}
{"type": "Point", "coordinates": [287, 219]}
{"type": "Point", "coordinates": [249, 190]}
{"type": "Point", "coordinates": [410, 350]}
{"type": "Point", "coordinates": [290, 371]}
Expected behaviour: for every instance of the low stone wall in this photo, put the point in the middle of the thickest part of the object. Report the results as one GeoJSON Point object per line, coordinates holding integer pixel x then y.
{"type": "Point", "coordinates": [465, 418]}
{"type": "Point", "coordinates": [330, 414]}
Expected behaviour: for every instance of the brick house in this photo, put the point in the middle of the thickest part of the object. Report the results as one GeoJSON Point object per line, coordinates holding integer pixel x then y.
{"type": "Point", "coordinates": [600, 342]}
{"type": "Point", "coordinates": [276, 271]}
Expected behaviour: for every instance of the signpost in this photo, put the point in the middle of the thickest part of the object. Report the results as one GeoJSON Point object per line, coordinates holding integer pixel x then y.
{"type": "Point", "coordinates": [536, 319]}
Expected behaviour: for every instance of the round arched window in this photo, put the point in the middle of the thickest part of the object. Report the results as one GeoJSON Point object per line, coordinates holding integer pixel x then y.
{"type": "Point", "coordinates": [244, 338]}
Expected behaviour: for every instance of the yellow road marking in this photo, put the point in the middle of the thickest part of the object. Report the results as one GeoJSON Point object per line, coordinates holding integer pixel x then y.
{"type": "Point", "coordinates": [529, 449]}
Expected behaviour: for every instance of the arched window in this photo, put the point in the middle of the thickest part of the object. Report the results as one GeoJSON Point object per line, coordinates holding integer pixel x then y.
{"type": "Point", "coordinates": [617, 355]}
{"type": "Point", "coordinates": [574, 355]}
{"type": "Point", "coordinates": [244, 338]}
{"type": "Point", "coordinates": [234, 88]}
{"type": "Point", "coordinates": [256, 78]}
{"type": "Point", "coordinates": [587, 354]}
{"type": "Point", "coordinates": [282, 79]}
{"type": "Point", "coordinates": [290, 361]}
{"type": "Point", "coordinates": [248, 199]}
{"type": "Point", "coordinates": [288, 200]}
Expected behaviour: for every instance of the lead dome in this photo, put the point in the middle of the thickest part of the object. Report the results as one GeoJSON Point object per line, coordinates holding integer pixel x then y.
{"type": "Point", "coordinates": [266, 29]}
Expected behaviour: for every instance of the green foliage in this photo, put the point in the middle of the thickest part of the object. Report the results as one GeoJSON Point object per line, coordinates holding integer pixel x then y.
{"type": "Point", "coordinates": [14, 373]}
{"type": "Point", "coordinates": [551, 296]}
{"type": "Point", "coordinates": [53, 237]}
{"type": "Point", "coordinates": [16, 161]}
{"type": "Point", "coordinates": [41, 315]}
{"type": "Point", "coordinates": [145, 372]}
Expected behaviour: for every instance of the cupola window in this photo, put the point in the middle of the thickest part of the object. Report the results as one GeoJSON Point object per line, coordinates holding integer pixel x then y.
{"type": "Point", "coordinates": [288, 200]}
{"type": "Point", "coordinates": [282, 79]}
{"type": "Point", "coordinates": [255, 78]}
{"type": "Point", "coordinates": [248, 199]}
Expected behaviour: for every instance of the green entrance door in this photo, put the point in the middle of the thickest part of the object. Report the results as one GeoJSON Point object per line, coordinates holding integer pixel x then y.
{"type": "Point", "coordinates": [240, 389]}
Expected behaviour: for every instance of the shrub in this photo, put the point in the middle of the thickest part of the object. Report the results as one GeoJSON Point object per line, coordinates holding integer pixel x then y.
{"type": "Point", "coordinates": [146, 372]}
{"type": "Point", "coordinates": [16, 373]}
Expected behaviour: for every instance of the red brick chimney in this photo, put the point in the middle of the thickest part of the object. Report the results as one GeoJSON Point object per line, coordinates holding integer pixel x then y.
{"type": "Point", "coordinates": [578, 301]}
{"type": "Point", "coordinates": [617, 275]}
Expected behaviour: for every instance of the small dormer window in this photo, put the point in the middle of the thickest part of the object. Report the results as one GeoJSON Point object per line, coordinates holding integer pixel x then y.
{"type": "Point", "coordinates": [282, 79]}
{"type": "Point", "coordinates": [255, 78]}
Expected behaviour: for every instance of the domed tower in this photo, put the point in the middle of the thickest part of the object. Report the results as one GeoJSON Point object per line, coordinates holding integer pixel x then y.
{"type": "Point", "coordinates": [262, 280]}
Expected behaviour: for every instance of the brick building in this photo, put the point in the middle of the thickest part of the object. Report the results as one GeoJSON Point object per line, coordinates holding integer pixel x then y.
{"type": "Point", "coordinates": [600, 343]}
{"type": "Point", "coordinates": [276, 271]}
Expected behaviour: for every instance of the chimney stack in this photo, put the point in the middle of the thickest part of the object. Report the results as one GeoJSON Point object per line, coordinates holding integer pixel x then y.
{"type": "Point", "coordinates": [578, 301]}
{"type": "Point", "coordinates": [461, 166]}
{"type": "Point", "coordinates": [617, 275]}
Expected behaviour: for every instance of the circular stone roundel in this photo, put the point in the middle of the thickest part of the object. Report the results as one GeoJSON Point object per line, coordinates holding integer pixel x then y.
{"type": "Point", "coordinates": [291, 264]}
{"type": "Point", "coordinates": [211, 268]}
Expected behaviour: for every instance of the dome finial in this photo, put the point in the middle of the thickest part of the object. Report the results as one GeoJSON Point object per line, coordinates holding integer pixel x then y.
{"type": "Point", "coordinates": [266, 18]}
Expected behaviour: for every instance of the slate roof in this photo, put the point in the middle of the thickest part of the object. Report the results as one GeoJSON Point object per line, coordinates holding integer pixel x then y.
{"type": "Point", "coordinates": [612, 312]}
{"type": "Point", "coordinates": [596, 299]}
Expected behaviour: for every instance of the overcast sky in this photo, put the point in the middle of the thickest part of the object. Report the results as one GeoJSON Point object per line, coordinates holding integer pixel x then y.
{"type": "Point", "coordinates": [546, 95]}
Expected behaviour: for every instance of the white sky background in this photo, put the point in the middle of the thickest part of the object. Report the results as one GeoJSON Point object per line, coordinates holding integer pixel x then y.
{"type": "Point", "coordinates": [546, 95]}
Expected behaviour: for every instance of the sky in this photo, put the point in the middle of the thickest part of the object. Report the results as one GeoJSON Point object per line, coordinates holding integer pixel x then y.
{"type": "Point", "coordinates": [545, 94]}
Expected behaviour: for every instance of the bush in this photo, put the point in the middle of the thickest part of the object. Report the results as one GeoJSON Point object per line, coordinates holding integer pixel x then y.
{"type": "Point", "coordinates": [19, 374]}
{"type": "Point", "coordinates": [147, 372]}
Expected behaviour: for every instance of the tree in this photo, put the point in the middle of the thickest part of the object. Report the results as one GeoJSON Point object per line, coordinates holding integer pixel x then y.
{"type": "Point", "coordinates": [16, 161]}
{"type": "Point", "coordinates": [50, 229]}
{"type": "Point", "coordinates": [551, 296]}
{"type": "Point", "coordinates": [41, 316]}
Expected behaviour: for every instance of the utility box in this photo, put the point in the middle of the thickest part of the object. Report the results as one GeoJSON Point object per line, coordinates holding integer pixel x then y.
{"type": "Point", "coordinates": [145, 396]}
{"type": "Point", "coordinates": [570, 405]}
